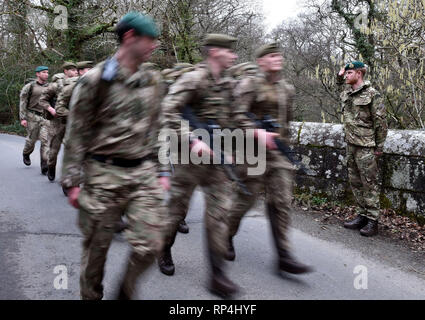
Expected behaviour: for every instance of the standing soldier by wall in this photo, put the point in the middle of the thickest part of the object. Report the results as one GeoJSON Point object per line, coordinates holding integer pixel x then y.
{"type": "Point", "coordinates": [267, 94]}
{"type": "Point", "coordinates": [112, 130]}
{"type": "Point", "coordinates": [366, 128]}
{"type": "Point", "coordinates": [31, 116]}
{"type": "Point", "coordinates": [56, 125]}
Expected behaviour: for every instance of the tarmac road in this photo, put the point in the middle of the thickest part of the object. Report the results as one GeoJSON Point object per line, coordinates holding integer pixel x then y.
{"type": "Point", "coordinates": [38, 233]}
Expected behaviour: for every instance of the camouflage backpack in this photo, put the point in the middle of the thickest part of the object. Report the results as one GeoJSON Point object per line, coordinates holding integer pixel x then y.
{"type": "Point", "coordinates": [243, 70]}
{"type": "Point", "coordinates": [171, 75]}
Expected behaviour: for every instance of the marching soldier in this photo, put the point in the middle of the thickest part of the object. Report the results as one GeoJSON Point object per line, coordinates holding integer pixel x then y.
{"type": "Point", "coordinates": [56, 124]}
{"type": "Point", "coordinates": [31, 116]}
{"type": "Point", "coordinates": [170, 76]}
{"type": "Point", "coordinates": [84, 66]}
{"type": "Point", "coordinates": [64, 97]}
{"type": "Point", "coordinates": [208, 92]}
{"type": "Point", "coordinates": [267, 94]}
{"type": "Point", "coordinates": [366, 129]}
{"type": "Point", "coordinates": [112, 130]}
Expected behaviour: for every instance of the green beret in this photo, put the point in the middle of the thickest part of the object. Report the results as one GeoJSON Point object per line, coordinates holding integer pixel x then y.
{"type": "Point", "coordinates": [219, 40]}
{"type": "Point", "coordinates": [69, 65]}
{"type": "Point", "coordinates": [354, 65]}
{"type": "Point", "coordinates": [41, 68]}
{"type": "Point", "coordinates": [85, 64]}
{"type": "Point", "coordinates": [142, 24]}
{"type": "Point", "coordinates": [267, 49]}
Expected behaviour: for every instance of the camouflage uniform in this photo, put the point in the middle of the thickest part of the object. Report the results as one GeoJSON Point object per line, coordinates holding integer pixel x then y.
{"type": "Point", "coordinates": [31, 111]}
{"type": "Point", "coordinates": [209, 100]}
{"type": "Point", "coordinates": [170, 76]}
{"type": "Point", "coordinates": [366, 128]}
{"type": "Point", "coordinates": [62, 111]}
{"type": "Point", "coordinates": [124, 125]}
{"type": "Point", "coordinates": [57, 125]}
{"type": "Point", "coordinates": [257, 95]}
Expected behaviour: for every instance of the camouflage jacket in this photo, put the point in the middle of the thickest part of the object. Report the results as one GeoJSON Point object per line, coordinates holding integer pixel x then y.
{"type": "Point", "coordinates": [51, 93]}
{"type": "Point", "coordinates": [209, 99]}
{"type": "Point", "coordinates": [364, 113]}
{"type": "Point", "coordinates": [64, 97]}
{"type": "Point", "coordinates": [27, 102]}
{"type": "Point", "coordinates": [125, 124]}
{"type": "Point", "coordinates": [257, 95]}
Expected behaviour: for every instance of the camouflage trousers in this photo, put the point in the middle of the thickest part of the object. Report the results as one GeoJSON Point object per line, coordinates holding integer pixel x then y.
{"type": "Point", "coordinates": [37, 129]}
{"type": "Point", "coordinates": [276, 184]}
{"type": "Point", "coordinates": [216, 188]}
{"type": "Point", "coordinates": [56, 134]}
{"type": "Point", "coordinates": [363, 177]}
{"type": "Point", "coordinates": [108, 193]}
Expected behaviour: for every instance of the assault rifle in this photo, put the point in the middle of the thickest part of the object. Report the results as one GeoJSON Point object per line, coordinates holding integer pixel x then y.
{"type": "Point", "coordinates": [229, 169]}
{"type": "Point", "coordinates": [270, 125]}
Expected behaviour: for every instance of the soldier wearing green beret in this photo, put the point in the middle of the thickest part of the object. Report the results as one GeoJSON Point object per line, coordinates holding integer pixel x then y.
{"type": "Point", "coordinates": [209, 93]}
{"type": "Point", "coordinates": [31, 116]}
{"type": "Point", "coordinates": [266, 94]}
{"type": "Point", "coordinates": [366, 128]}
{"type": "Point", "coordinates": [112, 138]}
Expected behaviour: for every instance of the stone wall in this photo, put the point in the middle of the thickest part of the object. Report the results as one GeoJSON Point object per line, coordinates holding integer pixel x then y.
{"type": "Point", "coordinates": [321, 148]}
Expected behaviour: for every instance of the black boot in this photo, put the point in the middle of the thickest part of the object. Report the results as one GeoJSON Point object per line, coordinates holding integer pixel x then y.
{"type": "Point", "coordinates": [122, 295]}
{"type": "Point", "coordinates": [371, 228]}
{"type": "Point", "coordinates": [165, 262]}
{"type": "Point", "coordinates": [51, 173]}
{"type": "Point", "coordinates": [27, 160]}
{"type": "Point", "coordinates": [358, 223]}
{"type": "Point", "coordinates": [44, 168]}
{"type": "Point", "coordinates": [65, 191]}
{"type": "Point", "coordinates": [288, 264]}
{"type": "Point", "coordinates": [230, 255]}
{"type": "Point", "coordinates": [120, 226]}
{"type": "Point", "coordinates": [220, 285]}
{"type": "Point", "coordinates": [183, 227]}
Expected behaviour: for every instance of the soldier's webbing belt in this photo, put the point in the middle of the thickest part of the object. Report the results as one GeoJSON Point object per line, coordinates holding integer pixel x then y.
{"type": "Point", "coordinates": [120, 162]}
{"type": "Point", "coordinates": [36, 112]}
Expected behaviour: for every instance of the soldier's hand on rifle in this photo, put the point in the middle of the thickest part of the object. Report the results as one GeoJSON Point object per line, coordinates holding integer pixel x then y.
{"type": "Point", "coordinates": [266, 138]}
{"type": "Point", "coordinates": [24, 123]}
{"type": "Point", "coordinates": [73, 194]}
{"type": "Point", "coordinates": [52, 111]}
{"type": "Point", "coordinates": [378, 153]}
{"type": "Point", "coordinates": [165, 183]}
{"type": "Point", "coordinates": [200, 147]}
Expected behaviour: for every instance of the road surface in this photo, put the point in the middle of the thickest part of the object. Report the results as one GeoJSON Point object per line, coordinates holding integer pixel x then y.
{"type": "Point", "coordinates": [38, 233]}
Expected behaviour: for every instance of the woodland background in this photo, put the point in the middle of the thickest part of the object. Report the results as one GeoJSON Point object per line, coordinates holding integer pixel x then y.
{"type": "Point", "coordinates": [388, 35]}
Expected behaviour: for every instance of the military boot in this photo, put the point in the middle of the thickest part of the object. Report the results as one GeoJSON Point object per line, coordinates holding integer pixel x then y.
{"type": "Point", "coordinates": [120, 226]}
{"type": "Point", "coordinates": [371, 228]}
{"type": "Point", "coordinates": [122, 295]}
{"type": "Point", "coordinates": [358, 223]}
{"type": "Point", "coordinates": [51, 173]}
{"type": "Point", "coordinates": [230, 255]}
{"type": "Point", "coordinates": [220, 284]}
{"type": "Point", "coordinates": [27, 160]}
{"type": "Point", "coordinates": [44, 168]}
{"type": "Point", "coordinates": [165, 262]}
{"type": "Point", "coordinates": [183, 227]}
{"type": "Point", "coordinates": [288, 264]}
